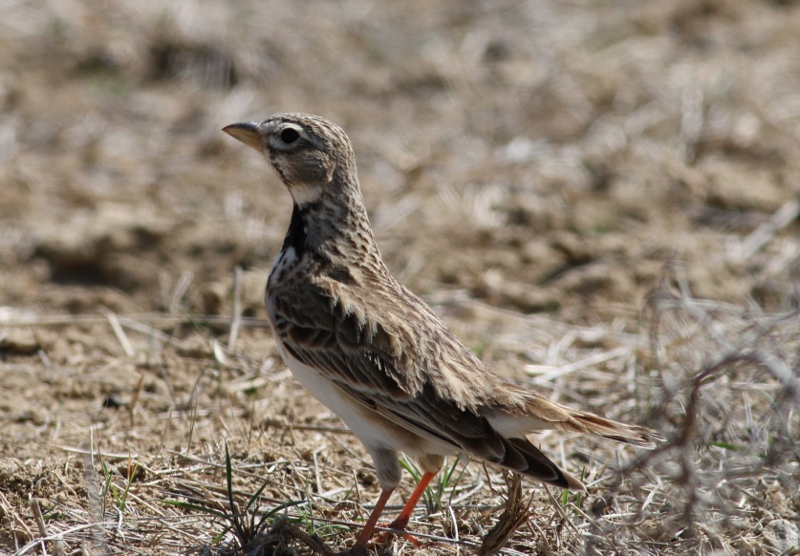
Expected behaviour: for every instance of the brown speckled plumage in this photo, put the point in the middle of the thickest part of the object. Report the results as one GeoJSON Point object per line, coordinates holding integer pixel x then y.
{"type": "Point", "coordinates": [394, 373]}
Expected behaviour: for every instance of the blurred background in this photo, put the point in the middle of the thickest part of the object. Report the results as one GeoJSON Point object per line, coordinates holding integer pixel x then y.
{"type": "Point", "coordinates": [543, 156]}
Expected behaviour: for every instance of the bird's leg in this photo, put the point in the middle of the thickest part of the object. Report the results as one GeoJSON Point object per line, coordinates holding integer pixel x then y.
{"type": "Point", "coordinates": [366, 533]}
{"type": "Point", "coordinates": [408, 509]}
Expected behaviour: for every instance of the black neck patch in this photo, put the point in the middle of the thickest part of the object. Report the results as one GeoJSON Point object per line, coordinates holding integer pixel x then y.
{"type": "Point", "coordinates": [297, 235]}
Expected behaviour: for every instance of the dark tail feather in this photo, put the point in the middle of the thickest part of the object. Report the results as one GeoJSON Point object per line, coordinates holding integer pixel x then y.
{"type": "Point", "coordinates": [525, 458]}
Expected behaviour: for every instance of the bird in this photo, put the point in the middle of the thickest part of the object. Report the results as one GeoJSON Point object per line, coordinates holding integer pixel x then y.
{"type": "Point", "coordinates": [376, 354]}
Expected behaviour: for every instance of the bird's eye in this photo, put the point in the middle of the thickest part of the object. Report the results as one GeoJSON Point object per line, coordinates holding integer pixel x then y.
{"type": "Point", "coordinates": [289, 136]}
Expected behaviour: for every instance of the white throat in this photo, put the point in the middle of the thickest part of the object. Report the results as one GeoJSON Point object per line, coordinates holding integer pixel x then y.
{"type": "Point", "coordinates": [305, 194]}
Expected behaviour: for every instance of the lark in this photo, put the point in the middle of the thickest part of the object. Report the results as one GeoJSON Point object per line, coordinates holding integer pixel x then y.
{"type": "Point", "coordinates": [373, 352]}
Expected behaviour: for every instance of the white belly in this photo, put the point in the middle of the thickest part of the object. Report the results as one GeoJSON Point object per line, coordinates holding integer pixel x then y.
{"type": "Point", "coordinates": [370, 431]}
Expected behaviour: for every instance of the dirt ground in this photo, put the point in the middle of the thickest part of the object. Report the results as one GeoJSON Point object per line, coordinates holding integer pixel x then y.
{"type": "Point", "coordinates": [600, 197]}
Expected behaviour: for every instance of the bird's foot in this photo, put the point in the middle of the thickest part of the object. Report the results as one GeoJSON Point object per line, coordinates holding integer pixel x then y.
{"type": "Point", "coordinates": [353, 551]}
{"type": "Point", "coordinates": [399, 525]}
{"type": "Point", "coordinates": [358, 549]}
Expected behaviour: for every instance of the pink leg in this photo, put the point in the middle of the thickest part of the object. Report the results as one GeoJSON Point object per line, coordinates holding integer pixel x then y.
{"type": "Point", "coordinates": [408, 509]}
{"type": "Point", "coordinates": [400, 523]}
{"type": "Point", "coordinates": [366, 533]}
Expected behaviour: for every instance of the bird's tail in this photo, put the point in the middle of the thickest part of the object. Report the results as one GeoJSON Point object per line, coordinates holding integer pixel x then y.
{"type": "Point", "coordinates": [600, 426]}
{"type": "Point", "coordinates": [539, 413]}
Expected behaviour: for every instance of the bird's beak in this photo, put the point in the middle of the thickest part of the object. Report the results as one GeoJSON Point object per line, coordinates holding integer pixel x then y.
{"type": "Point", "coordinates": [247, 133]}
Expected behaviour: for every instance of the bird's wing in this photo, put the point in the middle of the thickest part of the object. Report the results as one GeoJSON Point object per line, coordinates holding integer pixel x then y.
{"type": "Point", "coordinates": [343, 342]}
{"type": "Point", "coordinates": [374, 362]}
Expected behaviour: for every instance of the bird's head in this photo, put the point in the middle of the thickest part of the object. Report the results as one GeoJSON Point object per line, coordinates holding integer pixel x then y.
{"type": "Point", "coordinates": [309, 153]}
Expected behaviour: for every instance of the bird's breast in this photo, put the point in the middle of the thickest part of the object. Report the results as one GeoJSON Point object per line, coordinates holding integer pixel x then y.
{"type": "Point", "coordinates": [285, 263]}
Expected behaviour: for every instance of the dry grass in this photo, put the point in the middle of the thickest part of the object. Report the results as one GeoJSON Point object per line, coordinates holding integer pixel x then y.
{"type": "Point", "coordinates": [719, 381]}
{"type": "Point", "coordinates": [601, 198]}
